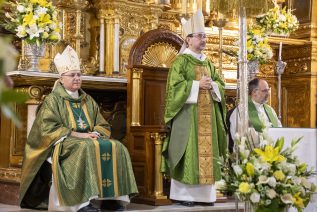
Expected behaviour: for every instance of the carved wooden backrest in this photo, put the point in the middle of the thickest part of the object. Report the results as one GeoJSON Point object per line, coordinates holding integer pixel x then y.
{"type": "Point", "coordinates": [149, 42]}
{"type": "Point", "coordinates": [149, 62]}
{"type": "Point", "coordinates": [150, 58]}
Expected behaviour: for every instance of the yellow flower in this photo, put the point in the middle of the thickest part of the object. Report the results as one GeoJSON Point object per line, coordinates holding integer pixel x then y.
{"type": "Point", "coordinates": [279, 175]}
{"type": "Point", "coordinates": [44, 20]}
{"type": "Point", "coordinates": [49, 5]}
{"type": "Point", "coordinates": [45, 35]}
{"type": "Point", "coordinates": [250, 169]}
{"type": "Point", "coordinates": [249, 43]}
{"type": "Point", "coordinates": [57, 30]}
{"type": "Point", "coordinates": [257, 32]}
{"type": "Point", "coordinates": [28, 19]}
{"type": "Point", "coordinates": [244, 188]}
{"type": "Point", "coordinates": [270, 154]}
{"type": "Point", "coordinates": [298, 201]}
{"type": "Point", "coordinates": [54, 37]}
{"type": "Point", "coordinates": [42, 3]}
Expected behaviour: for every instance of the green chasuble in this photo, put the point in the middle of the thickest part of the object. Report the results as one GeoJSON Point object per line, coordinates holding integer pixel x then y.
{"type": "Point", "coordinates": [186, 148]}
{"type": "Point", "coordinates": [254, 119]}
{"type": "Point", "coordinates": [81, 167]}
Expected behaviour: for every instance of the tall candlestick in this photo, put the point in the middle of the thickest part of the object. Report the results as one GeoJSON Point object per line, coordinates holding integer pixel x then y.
{"type": "Point", "coordinates": [280, 52]}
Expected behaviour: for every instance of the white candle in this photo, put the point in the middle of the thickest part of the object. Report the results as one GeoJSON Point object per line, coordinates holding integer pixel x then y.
{"type": "Point", "coordinates": [280, 52]}
{"type": "Point", "coordinates": [116, 45]}
{"type": "Point", "coordinates": [102, 46]}
{"type": "Point", "coordinates": [208, 7]}
{"type": "Point", "coordinates": [194, 6]}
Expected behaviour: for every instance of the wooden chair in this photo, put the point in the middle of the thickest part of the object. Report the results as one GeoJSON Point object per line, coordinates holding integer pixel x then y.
{"type": "Point", "coordinates": [149, 62]}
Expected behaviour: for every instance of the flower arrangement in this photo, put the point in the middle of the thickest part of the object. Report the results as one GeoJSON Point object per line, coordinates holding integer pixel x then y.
{"type": "Point", "coordinates": [258, 47]}
{"type": "Point", "coordinates": [33, 20]}
{"type": "Point", "coordinates": [278, 21]}
{"type": "Point", "coordinates": [269, 177]}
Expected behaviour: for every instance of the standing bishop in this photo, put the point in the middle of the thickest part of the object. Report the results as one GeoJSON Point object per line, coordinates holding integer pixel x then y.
{"type": "Point", "coordinates": [195, 113]}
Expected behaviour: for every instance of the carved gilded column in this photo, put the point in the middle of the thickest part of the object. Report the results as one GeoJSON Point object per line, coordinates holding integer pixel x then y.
{"type": "Point", "coordinates": [36, 94]}
{"type": "Point", "coordinates": [191, 6]}
{"type": "Point", "coordinates": [158, 142]}
{"type": "Point", "coordinates": [23, 61]}
{"type": "Point", "coordinates": [63, 36]}
{"type": "Point", "coordinates": [136, 90]}
{"type": "Point", "coordinates": [177, 4]}
{"type": "Point", "coordinates": [184, 6]}
{"type": "Point", "coordinates": [102, 45]}
{"type": "Point", "coordinates": [109, 22]}
{"type": "Point", "coordinates": [313, 120]}
{"type": "Point", "coordinates": [78, 35]}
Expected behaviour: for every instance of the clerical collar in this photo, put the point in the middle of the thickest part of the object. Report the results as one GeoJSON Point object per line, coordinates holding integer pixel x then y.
{"type": "Point", "coordinates": [200, 57]}
{"type": "Point", "coordinates": [73, 94]}
{"type": "Point", "coordinates": [257, 104]}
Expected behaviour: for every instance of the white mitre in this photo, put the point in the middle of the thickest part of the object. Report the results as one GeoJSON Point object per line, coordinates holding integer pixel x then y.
{"type": "Point", "coordinates": [67, 61]}
{"type": "Point", "coordinates": [195, 24]}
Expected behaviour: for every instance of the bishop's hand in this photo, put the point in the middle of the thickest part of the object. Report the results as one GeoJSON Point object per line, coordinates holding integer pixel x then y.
{"type": "Point", "coordinates": [85, 135]}
{"type": "Point", "coordinates": [205, 83]}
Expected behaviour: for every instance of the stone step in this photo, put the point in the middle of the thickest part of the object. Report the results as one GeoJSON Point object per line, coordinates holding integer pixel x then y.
{"type": "Point", "coordinates": [133, 207]}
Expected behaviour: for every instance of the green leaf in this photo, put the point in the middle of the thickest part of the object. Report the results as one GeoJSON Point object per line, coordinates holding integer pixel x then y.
{"type": "Point", "coordinates": [279, 143]}
{"type": "Point", "coordinates": [295, 141]}
{"type": "Point", "coordinates": [1, 68]}
{"type": "Point", "coordinates": [8, 112]}
{"type": "Point", "coordinates": [10, 96]}
{"type": "Point", "coordinates": [274, 206]}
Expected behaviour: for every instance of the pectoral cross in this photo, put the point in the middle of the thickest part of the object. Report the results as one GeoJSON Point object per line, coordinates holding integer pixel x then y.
{"type": "Point", "coordinates": [81, 123]}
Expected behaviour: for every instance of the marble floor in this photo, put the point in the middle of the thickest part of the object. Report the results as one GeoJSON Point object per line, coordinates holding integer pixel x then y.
{"type": "Point", "coordinates": [219, 207]}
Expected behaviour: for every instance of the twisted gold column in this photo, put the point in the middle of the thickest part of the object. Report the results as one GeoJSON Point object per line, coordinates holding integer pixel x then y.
{"type": "Point", "coordinates": [109, 43]}
{"type": "Point", "coordinates": [136, 90]}
{"type": "Point", "coordinates": [78, 35]}
{"type": "Point", "coordinates": [158, 141]}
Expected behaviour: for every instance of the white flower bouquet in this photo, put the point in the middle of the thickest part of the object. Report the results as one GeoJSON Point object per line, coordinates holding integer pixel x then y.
{"type": "Point", "coordinates": [278, 21]}
{"type": "Point", "coordinates": [258, 47]}
{"type": "Point", "coordinates": [269, 177]}
{"type": "Point", "coordinates": [33, 20]}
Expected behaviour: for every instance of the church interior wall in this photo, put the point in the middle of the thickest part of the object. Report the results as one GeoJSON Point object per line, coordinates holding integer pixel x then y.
{"type": "Point", "coordinates": [82, 21]}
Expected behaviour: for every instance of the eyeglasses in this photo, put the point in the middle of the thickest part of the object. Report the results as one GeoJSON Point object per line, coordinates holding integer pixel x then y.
{"type": "Point", "coordinates": [72, 75]}
{"type": "Point", "coordinates": [198, 35]}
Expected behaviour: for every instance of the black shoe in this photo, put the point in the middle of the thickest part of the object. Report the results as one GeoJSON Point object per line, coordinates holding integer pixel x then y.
{"type": "Point", "coordinates": [207, 203]}
{"type": "Point", "coordinates": [188, 203]}
{"type": "Point", "coordinates": [89, 208]}
{"type": "Point", "coordinates": [112, 205]}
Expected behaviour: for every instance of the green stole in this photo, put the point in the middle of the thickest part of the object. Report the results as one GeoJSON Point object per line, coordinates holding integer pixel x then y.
{"type": "Point", "coordinates": [254, 116]}
{"type": "Point", "coordinates": [106, 157]}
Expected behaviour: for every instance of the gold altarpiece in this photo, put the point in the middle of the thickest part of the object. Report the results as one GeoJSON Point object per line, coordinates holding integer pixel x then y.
{"type": "Point", "coordinates": [121, 23]}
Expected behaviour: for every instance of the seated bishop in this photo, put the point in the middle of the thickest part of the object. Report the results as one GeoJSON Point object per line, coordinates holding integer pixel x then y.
{"type": "Point", "coordinates": [70, 158]}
